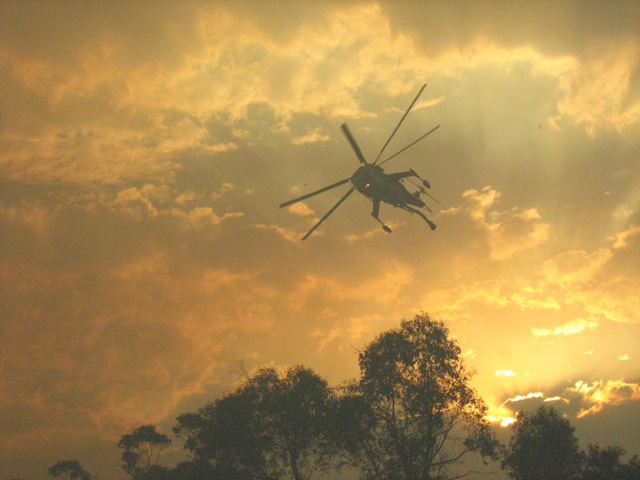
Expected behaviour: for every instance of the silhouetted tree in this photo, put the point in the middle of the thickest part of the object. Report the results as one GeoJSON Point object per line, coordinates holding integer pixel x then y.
{"type": "Point", "coordinates": [605, 463]}
{"type": "Point", "coordinates": [543, 447]}
{"type": "Point", "coordinates": [413, 414]}
{"type": "Point", "coordinates": [69, 470]}
{"type": "Point", "coordinates": [141, 451]}
{"type": "Point", "coordinates": [273, 425]}
{"type": "Point", "coordinates": [224, 434]}
{"type": "Point", "coordinates": [200, 470]}
{"type": "Point", "coordinates": [630, 470]}
{"type": "Point", "coordinates": [602, 463]}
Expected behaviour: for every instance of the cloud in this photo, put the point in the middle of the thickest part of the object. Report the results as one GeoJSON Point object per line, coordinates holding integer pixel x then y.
{"type": "Point", "coordinates": [503, 421]}
{"type": "Point", "coordinates": [374, 232]}
{"type": "Point", "coordinates": [598, 394]}
{"type": "Point", "coordinates": [311, 137]}
{"type": "Point", "coordinates": [622, 237]}
{"type": "Point", "coordinates": [505, 373]}
{"type": "Point", "coordinates": [286, 233]}
{"type": "Point", "coordinates": [301, 209]}
{"type": "Point", "coordinates": [507, 233]}
{"type": "Point", "coordinates": [575, 268]}
{"type": "Point", "coordinates": [385, 287]}
{"type": "Point", "coordinates": [347, 333]}
{"type": "Point", "coordinates": [600, 92]}
{"type": "Point", "coordinates": [557, 399]}
{"type": "Point", "coordinates": [519, 398]}
{"type": "Point", "coordinates": [569, 328]}
{"type": "Point", "coordinates": [158, 201]}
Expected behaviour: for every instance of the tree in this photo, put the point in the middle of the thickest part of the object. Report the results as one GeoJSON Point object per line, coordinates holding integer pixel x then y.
{"type": "Point", "coordinates": [631, 470]}
{"type": "Point", "coordinates": [69, 470]}
{"type": "Point", "coordinates": [224, 434]}
{"type": "Point", "coordinates": [413, 414]}
{"type": "Point", "coordinates": [602, 463]}
{"type": "Point", "coordinates": [141, 451]}
{"type": "Point", "coordinates": [292, 411]}
{"type": "Point", "coordinates": [272, 426]}
{"type": "Point", "coordinates": [605, 463]}
{"type": "Point", "coordinates": [543, 447]}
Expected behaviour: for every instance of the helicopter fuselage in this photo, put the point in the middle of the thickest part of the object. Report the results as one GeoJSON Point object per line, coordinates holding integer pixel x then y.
{"type": "Point", "coordinates": [371, 181]}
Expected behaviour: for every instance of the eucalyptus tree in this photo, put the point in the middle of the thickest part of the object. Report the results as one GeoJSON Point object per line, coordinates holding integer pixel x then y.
{"type": "Point", "coordinates": [141, 452]}
{"type": "Point", "coordinates": [543, 447]}
{"type": "Point", "coordinates": [273, 426]}
{"type": "Point", "coordinates": [69, 470]}
{"type": "Point", "coordinates": [413, 414]}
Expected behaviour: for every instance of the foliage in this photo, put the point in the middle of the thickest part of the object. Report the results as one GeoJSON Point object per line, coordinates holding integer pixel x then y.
{"type": "Point", "coordinates": [543, 447]}
{"type": "Point", "coordinates": [69, 469]}
{"type": "Point", "coordinates": [141, 451]}
{"type": "Point", "coordinates": [273, 425]}
{"type": "Point", "coordinates": [605, 463]}
{"type": "Point", "coordinates": [413, 414]}
{"type": "Point", "coordinates": [601, 463]}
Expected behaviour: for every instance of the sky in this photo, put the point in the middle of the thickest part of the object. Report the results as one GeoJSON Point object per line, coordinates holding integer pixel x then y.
{"type": "Point", "coordinates": [145, 148]}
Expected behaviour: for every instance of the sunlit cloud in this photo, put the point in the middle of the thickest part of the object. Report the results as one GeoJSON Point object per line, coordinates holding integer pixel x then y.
{"type": "Point", "coordinates": [301, 209]}
{"type": "Point", "coordinates": [505, 373]}
{"type": "Point", "coordinates": [623, 357]}
{"type": "Point", "coordinates": [556, 399]}
{"type": "Point", "coordinates": [384, 289]}
{"type": "Point", "coordinates": [311, 137]}
{"type": "Point", "coordinates": [348, 333]}
{"type": "Point", "coordinates": [374, 232]}
{"type": "Point", "coordinates": [510, 232]}
{"type": "Point", "coordinates": [286, 233]}
{"type": "Point", "coordinates": [574, 268]}
{"type": "Point", "coordinates": [519, 398]}
{"type": "Point", "coordinates": [428, 103]}
{"type": "Point", "coordinates": [598, 394]}
{"type": "Point", "coordinates": [154, 201]}
{"type": "Point", "coordinates": [569, 328]}
{"type": "Point", "coordinates": [622, 237]}
{"type": "Point", "coordinates": [225, 188]}
{"type": "Point", "coordinates": [502, 421]}
{"type": "Point", "coordinates": [599, 90]}
{"type": "Point", "coordinates": [33, 214]}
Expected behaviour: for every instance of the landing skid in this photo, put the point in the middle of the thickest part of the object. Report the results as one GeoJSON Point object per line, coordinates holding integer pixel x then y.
{"type": "Point", "coordinates": [429, 222]}
{"type": "Point", "coordinates": [384, 227]}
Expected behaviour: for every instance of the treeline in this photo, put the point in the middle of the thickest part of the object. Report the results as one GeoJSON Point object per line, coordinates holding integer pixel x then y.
{"type": "Point", "coordinates": [411, 415]}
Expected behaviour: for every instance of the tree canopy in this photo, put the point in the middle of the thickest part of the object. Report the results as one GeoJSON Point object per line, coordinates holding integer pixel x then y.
{"type": "Point", "coordinates": [273, 425]}
{"type": "Point", "coordinates": [412, 414]}
{"type": "Point", "coordinates": [543, 447]}
{"type": "Point", "coordinates": [141, 450]}
{"type": "Point", "coordinates": [69, 470]}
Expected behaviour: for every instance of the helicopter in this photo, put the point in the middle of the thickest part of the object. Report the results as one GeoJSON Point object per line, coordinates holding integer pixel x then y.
{"type": "Point", "coordinates": [371, 181]}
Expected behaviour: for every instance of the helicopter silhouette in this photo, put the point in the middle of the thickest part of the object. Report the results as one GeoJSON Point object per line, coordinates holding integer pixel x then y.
{"type": "Point", "coordinates": [371, 181]}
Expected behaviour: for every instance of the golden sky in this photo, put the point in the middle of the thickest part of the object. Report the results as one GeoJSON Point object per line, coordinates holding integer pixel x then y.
{"type": "Point", "coordinates": [145, 148]}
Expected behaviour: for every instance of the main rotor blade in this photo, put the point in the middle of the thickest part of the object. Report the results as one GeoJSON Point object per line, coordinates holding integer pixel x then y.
{"type": "Point", "coordinates": [353, 143]}
{"type": "Point", "coordinates": [329, 212]}
{"type": "Point", "coordinates": [411, 144]}
{"type": "Point", "coordinates": [432, 198]}
{"type": "Point", "coordinates": [304, 197]}
{"type": "Point", "coordinates": [399, 123]}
